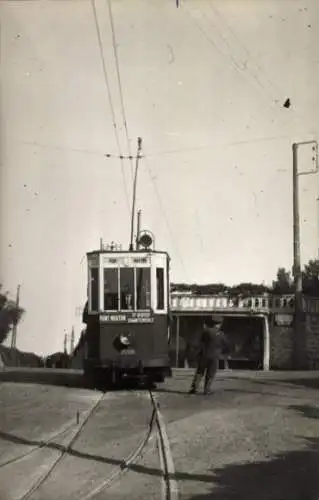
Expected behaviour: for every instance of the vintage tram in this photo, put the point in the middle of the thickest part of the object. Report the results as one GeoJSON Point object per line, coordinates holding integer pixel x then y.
{"type": "Point", "coordinates": [127, 315]}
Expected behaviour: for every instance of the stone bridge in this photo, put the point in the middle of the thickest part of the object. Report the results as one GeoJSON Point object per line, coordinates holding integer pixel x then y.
{"type": "Point", "coordinates": [223, 304]}
{"type": "Point", "coordinates": [275, 312]}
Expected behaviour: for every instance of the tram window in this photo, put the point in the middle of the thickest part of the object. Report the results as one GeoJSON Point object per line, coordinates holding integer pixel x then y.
{"type": "Point", "coordinates": [94, 284]}
{"type": "Point", "coordinates": [143, 293]}
{"type": "Point", "coordinates": [160, 288]}
{"type": "Point", "coordinates": [127, 288]}
{"type": "Point", "coordinates": [111, 289]}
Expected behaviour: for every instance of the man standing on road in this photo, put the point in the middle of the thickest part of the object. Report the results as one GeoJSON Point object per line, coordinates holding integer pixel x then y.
{"type": "Point", "coordinates": [208, 359]}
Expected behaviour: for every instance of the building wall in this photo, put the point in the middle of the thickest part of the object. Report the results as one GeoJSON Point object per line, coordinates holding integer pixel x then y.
{"type": "Point", "coordinates": [77, 360]}
{"type": "Point", "coordinates": [281, 347]}
{"type": "Point", "coordinates": [312, 340]}
{"type": "Point", "coordinates": [282, 344]}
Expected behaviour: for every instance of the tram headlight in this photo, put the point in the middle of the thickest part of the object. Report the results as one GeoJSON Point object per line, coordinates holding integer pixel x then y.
{"type": "Point", "coordinates": [124, 340]}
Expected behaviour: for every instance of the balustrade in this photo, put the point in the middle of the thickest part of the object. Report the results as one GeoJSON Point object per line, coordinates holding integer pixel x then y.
{"type": "Point", "coordinates": [262, 303]}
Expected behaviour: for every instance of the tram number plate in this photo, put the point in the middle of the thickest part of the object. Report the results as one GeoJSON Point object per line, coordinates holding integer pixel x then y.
{"type": "Point", "coordinates": [128, 352]}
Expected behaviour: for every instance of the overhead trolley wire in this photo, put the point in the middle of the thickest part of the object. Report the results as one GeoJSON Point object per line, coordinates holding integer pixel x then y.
{"type": "Point", "coordinates": [119, 82]}
{"type": "Point", "coordinates": [110, 98]}
{"type": "Point", "coordinates": [248, 53]}
{"type": "Point", "coordinates": [258, 69]}
{"type": "Point", "coordinates": [161, 205]}
{"type": "Point", "coordinates": [232, 61]}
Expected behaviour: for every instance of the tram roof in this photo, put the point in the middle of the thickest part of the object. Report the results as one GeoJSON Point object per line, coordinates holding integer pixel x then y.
{"type": "Point", "coordinates": [131, 252]}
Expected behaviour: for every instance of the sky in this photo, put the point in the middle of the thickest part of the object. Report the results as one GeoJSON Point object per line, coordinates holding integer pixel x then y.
{"type": "Point", "coordinates": [203, 85]}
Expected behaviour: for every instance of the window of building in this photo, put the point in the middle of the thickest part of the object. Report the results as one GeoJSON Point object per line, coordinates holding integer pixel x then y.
{"type": "Point", "coordinates": [143, 289]}
{"type": "Point", "coordinates": [160, 288]}
{"type": "Point", "coordinates": [111, 289]}
{"type": "Point", "coordinates": [127, 288]}
{"type": "Point", "coordinates": [94, 286]}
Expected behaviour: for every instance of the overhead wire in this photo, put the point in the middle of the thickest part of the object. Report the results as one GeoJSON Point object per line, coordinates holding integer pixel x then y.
{"type": "Point", "coordinates": [156, 153]}
{"type": "Point", "coordinates": [161, 205]}
{"type": "Point", "coordinates": [110, 98]}
{"type": "Point", "coordinates": [213, 146]}
{"type": "Point", "coordinates": [119, 82]}
{"type": "Point", "coordinates": [242, 67]}
{"type": "Point", "coordinates": [276, 88]}
{"type": "Point", "coordinates": [60, 148]}
{"type": "Point", "coordinates": [233, 63]}
{"type": "Point", "coordinates": [248, 53]}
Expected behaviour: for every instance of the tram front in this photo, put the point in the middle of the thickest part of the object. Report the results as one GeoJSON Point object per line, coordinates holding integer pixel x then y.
{"type": "Point", "coordinates": [128, 314]}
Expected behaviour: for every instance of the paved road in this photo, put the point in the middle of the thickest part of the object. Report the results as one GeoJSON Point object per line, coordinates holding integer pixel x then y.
{"type": "Point", "coordinates": [256, 437]}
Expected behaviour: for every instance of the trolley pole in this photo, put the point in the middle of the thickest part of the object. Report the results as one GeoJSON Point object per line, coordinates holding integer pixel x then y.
{"type": "Point", "coordinates": [72, 341]}
{"type": "Point", "coordinates": [139, 147]}
{"type": "Point", "coordinates": [138, 229]}
{"type": "Point", "coordinates": [65, 350]}
{"type": "Point", "coordinates": [297, 272]}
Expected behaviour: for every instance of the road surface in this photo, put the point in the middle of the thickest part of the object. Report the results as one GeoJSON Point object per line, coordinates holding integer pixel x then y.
{"type": "Point", "coordinates": [257, 436]}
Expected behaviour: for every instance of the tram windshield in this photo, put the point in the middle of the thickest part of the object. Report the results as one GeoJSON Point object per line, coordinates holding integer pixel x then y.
{"type": "Point", "coordinates": [111, 289]}
{"type": "Point", "coordinates": [127, 289]}
{"type": "Point", "coordinates": [94, 285]}
{"type": "Point", "coordinates": [143, 289]}
{"type": "Point", "coordinates": [160, 287]}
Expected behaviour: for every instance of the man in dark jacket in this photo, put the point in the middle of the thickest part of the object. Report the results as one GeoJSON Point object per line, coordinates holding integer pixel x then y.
{"type": "Point", "coordinates": [212, 341]}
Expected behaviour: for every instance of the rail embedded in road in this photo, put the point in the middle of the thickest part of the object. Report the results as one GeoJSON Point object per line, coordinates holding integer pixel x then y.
{"type": "Point", "coordinates": [73, 431]}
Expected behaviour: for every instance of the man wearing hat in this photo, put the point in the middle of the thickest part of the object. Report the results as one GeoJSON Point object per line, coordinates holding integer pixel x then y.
{"type": "Point", "coordinates": [212, 341]}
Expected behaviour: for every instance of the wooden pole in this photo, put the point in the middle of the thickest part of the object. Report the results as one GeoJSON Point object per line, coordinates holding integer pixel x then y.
{"type": "Point", "coordinates": [138, 229]}
{"type": "Point", "coordinates": [139, 147]}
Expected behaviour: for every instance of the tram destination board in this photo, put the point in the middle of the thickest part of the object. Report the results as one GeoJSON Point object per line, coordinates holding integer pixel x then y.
{"type": "Point", "coordinates": [127, 317]}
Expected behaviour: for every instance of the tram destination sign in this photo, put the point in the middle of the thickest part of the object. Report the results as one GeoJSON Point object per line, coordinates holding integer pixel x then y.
{"type": "Point", "coordinates": [127, 317]}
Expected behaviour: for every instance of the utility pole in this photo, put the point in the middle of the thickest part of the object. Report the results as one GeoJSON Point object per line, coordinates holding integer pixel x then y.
{"type": "Point", "coordinates": [139, 147]}
{"type": "Point", "coordinates": [296, 220]}
{"type": "Point", "coordinates": [297, 272]}
{"type": "Point", "coordinates": [15, 329]}
{"type": "Point", "coordinates": [138, 229]}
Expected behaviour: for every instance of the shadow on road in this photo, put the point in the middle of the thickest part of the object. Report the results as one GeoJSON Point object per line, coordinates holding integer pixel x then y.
{"type": "Point", "coordinates": [55, 377]}
{"type": "Point", "coordinates": [67, 378]}
{"type": "Point", "coordinates": [311, 383]}
{"type": "Point", "coordinates": [292, 475]}
{"type": "Point", "coordinates": [218, 391]}
{"type": "Point", "coordinates": [307, 411]}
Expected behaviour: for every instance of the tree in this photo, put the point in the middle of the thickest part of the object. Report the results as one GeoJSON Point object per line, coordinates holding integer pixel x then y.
{"type": "Point", "coordinates": [10, 315]}
{"type": "Point", "coordinates": [243, 289]}
{"type": "Point", "coordinates": [284, 282]}
{"type": "Point", "coordinates": [310, 278]}
{"type": "Point", "coordinates": [247, 289]}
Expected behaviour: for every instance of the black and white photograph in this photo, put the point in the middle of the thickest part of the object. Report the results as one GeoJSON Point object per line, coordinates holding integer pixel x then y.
{"type": "Point", "coordinates": [159, 249]}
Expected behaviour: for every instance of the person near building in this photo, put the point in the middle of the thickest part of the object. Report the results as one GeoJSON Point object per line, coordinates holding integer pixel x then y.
{"type": "Point", "coordinates": [212, 342]}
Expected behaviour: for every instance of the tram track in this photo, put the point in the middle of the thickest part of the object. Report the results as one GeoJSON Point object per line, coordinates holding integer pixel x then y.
{"type": "Point", "coordinates": [43, 443]}
{"type": "Point", "coordinates": [155, 430]}
{"type": "Point", "coordinates": [169, 490]}
{"type": "Point", "coordinates": [41, 480]}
